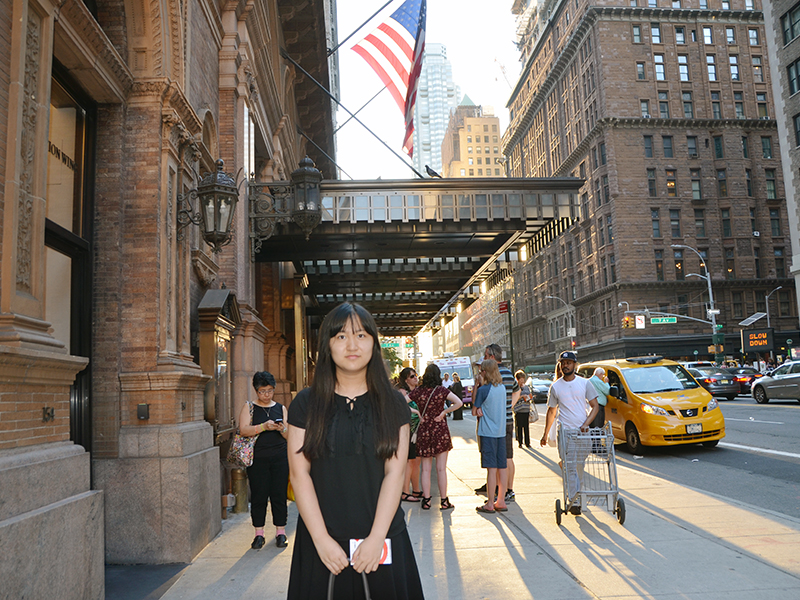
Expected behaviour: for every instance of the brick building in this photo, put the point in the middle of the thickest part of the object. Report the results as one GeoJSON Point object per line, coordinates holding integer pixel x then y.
{"type": "Point", "coordinates": [126, 345]}
{"type": "Point", "coordinates": [471, 142]}
{"type": "Point", "coordinates": [666, 110]}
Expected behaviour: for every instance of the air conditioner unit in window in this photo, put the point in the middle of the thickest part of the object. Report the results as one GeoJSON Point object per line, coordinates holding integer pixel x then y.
{"type": "Point", "coordinates": [647, 116]}
{"type": "Point", "coordinates": [692, 154]}
{"type": "Point", "coordinates": [756, 234]}
{"type": "Point", "coordinates": [765, 118]}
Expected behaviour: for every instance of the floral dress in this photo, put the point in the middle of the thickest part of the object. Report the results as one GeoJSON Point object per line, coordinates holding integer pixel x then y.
{"type": "Point", "coordinates": [432, 437]}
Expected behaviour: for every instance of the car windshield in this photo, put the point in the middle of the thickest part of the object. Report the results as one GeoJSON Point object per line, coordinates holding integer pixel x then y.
{"type": "Point", "coordinates": [658, 378]}
{"type": "Point", "coordinates": [713, 371]}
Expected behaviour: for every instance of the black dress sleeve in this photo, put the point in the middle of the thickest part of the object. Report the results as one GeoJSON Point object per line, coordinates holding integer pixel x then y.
{"type": "Point", "coordinates": [298, 409]}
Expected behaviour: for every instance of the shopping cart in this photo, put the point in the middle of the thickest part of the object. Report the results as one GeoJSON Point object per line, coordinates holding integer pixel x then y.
{"type": "Point", "coordinates": [589, 471]}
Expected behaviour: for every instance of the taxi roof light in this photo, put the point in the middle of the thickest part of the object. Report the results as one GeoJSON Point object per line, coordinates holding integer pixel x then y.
{"type": "Point", "coordinates": [645, 360]}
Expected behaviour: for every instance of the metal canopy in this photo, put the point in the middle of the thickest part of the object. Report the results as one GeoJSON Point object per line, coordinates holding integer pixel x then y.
{"type": "Point", "coordinates": [410, 251]}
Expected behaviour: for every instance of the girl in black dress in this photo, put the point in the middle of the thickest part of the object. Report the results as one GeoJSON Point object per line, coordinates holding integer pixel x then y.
{"type": "Point", "coordinates": [348, 446]}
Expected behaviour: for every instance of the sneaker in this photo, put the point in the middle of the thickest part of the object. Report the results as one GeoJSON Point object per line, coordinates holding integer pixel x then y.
{"type": "Point", "coordinates": [481, 490]}
{"type": "Point", "coordinates": [258, 542]}
{"type": "Point", "coordinates": [510, 496]}
{"type": "Point", "coordinates": [575, 510]}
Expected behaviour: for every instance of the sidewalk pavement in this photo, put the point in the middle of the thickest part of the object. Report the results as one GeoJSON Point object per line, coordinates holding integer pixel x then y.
{"type": "Point", "coordinates": [676, 543]}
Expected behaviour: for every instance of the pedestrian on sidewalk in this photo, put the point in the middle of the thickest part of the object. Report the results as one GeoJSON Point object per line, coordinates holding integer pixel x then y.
{"type": "Point", "coordinates": [268, 476]}
{"type": "Point", "coordinates": [570, 399]}
{"type": "Point", "coordinates": [521, 405]}
{"type": "Point", "coordinates": [406, 382]}
{"type": "Point", "coordinates": [600, 382]}
{"type": "Point", "coordinates": [458, 389]}
{"type": "Point", "coordinates": [433, 434]}
{"type": "Point", "coordinates": [490, 402]}
{"type": "Point", "coordinates": [495, 352]}
{"type": "Point", "coordinates": [348, 448]}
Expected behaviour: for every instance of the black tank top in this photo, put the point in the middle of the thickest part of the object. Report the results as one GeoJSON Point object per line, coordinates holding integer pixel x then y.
{"type": "Point", "coordinates": [269, 443]}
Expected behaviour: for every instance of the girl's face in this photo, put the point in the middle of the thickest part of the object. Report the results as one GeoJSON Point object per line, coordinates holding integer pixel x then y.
{"type": "Point", "coordinates": [351, 348]}
{"type": "Point", "coordinates": [412, 380]}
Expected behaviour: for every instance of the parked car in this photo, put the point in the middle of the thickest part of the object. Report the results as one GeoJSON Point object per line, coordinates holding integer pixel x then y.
{"type": "Point", "coordinates": [658, 403]}
{"type": "Point", "coordinates": [698, 363]}
{"type": "Point", "coordinates": [540, 389]}
{"type": "Point", "coordinates": [718, 381]}
{"type": "Point", "coordinates": [745, 376]}
{"type": "Point", "coordinates": [782, 383]}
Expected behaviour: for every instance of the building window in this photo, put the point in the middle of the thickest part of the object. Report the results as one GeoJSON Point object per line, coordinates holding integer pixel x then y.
{"type": "Point", "coordinates": [675, 223]}
{"type": "Point", "coordinates": [726, 222]}
{"type": "Point", "coordinates": [716, 111]}
{"type": "Point", "coordinates": [463, 172]}
{"type": "Point", "coordinates": [663, 105]}
{"type": "Point", "coordinates": [745, 151]}
{"type": "Point", "coordinates": [688, 107]}
{"type": "Point", "coordinates": [775, 221]}
{"type": "Point", "coordinates": [469, 139]}
{"type": "Point", "coordinates": [640, 74]}
{"type": "Point", "coordinates": [796, 121]}
{"type": "Point", "coordinates": [585, 206]}
{"type": "Point", "coordinates": [667, 141]}
{"type": "Point", "coordinates": [790, 23]}
{"type": "Point", "coordinates": [785, 303]}
{"type": "Point", "coordinates": [719, 150]}
{"type": "Point", "coordinates": [722, 183]}
{"type": "Point", "coordinates": [480, 171]}
{"type": "Point", "coordinates": [637, 34]}
{"type": "Point", "coordinates": [598, 197]}
{"type": "Point", "coordinates": [700, 222]}
{"type": "Point", "coordinates": [691, 146]}
{"type": "Point", "coordinates": [645, 104]}
{"type": "Point", "coordinates": [680, 35]}
{"type": "Point", "coordinates": [730, 266]}
{"type": "Point", "coordinates": [613, 263]}
{"type": "Point", "coordinates": [655, 33]}
{"type": "Point", "coordinates": [726, 5]}
{"type": "Point", "coordinates": [793, 72]}
{"type": "Point", "coordinates": [703, 5]}
{"type": "Point", "coordinates": [605, 189]}
{"type": "Point", "coordinates": [748, 4]}
{"type": "Point", "coordinates": [594, 158]}
{"type": "Point", "coordinates": [758, 72]}
{"type": "Point", "coordinates": [471, 172]}
{"type": "Point", "coordinates": [656, 220]}
{"type": "Point", "coordinates": [738, 104]}
{"type": "Point", "coordinates": [683, 301]}
{"type": "Point", "coordinates": [766, 147]}
{"type": "Point", "coordinates": [658, 59]}
{"type": "Point", "coordinates": [683, 67]}
{"type": "Point", "coordinates": [470, 160]}
{"type": "Point", "coordinates": [712, 67]}
{"type": "Point", "coordinates": [671, 183]}
{"type": "Point", "coordinates": [780, 264]}
{"type": "Point", "coordinates": [753, 220]}
{"type": "Point", "coordinates": [676, 3]}
{"type": "Point", "coordinates": [602, 148]}
{"type": "Point", "coordinates": [752, 34]}
{"type": "Point", "coordinates": [772, 190]}
{"type": "Point", "coordinates": [730, 35]}
{"type": "Point", "coordinates": [605, 273]}
{"type": "Point", "coordinates": [609, 230]}
{"type": "Point", "coordinates": [659, 265]}
{"type": "Point", "coordinates": [757, 260]}
{"type": "Point", "coordinates": [680, 274]}
{"type": "Point", "coordinates": [697, 189]}
{"type": "Point", "coordinates": [648, 146]}
{"type": "Point", "coordinates": [708, 36]}
{"type": "Point", "coordinates": [748, 180]}
{"type": "Point", "coordinates": [734, 63]}
{"type": "Point", "coordinates": [651, 183]}
{"type": "Point", "coordinates": [469, 149]}
{"type": "Point", "coordinates": [738, 305]}
{"type": "Point", "coordinates": [761, 102]}
{"type": "Point", "coordinates": [601, 234]}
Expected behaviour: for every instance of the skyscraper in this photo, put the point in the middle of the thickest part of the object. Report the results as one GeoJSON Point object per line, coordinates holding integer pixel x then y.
{"type": "Point", "coordinates": [471, 143]}
{"type": "Point", "coordinates": [436, 95]}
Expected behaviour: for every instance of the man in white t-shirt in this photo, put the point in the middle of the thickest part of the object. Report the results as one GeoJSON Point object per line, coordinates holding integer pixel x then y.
{"type": "Point", "coordinates": [574, 401]}
{"type": "Point", "coordinates": [447, 382]}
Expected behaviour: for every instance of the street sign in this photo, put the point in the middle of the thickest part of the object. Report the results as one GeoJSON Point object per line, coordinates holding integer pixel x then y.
{"type": "Point", "coordinates": [789, 342]}
{"type": "Point", "coordinates": [390, 344]}
{"type": "Point", "coordinates": [639, 321]}
{"type": "Point", "coordinates": [719, 326]}
{"type": "Point", "coordinates": [662, 320]}
{"type": "Point", "coordinates": [572, 333]}
{"type": "Point", "coordinates": [713, 311]}
{"type": "Point", "coordinates": [503, 307]}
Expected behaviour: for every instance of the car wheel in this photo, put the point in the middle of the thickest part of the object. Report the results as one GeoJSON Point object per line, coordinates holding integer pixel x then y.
{"type": "Point", "coordinates": [633, 440]}
{"type": "Point", "coordinates": [760, 395]}
{"type": "Point", "coordinates": [711, 443]}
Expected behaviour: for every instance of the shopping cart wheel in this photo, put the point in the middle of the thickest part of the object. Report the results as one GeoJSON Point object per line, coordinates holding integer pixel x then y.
{"type": "Point", "coordinates": [558, 512]}
{"type": "Point", "coordinates": [620, 511]}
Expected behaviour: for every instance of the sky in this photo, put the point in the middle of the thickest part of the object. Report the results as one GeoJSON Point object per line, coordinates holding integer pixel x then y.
{"type": "Point", "coordinates": [479, 36]}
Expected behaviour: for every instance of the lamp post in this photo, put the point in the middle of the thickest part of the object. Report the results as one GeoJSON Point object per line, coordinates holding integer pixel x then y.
{"type": "Point", "coordinates": [217, 197]}
{"type": "Point", "coordinates": [712, 312]}
{"type": "Point", "coordinates": [570, 309]}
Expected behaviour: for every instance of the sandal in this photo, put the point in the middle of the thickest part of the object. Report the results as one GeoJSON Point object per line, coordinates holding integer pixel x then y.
{"type": "Point", "coordinates": [416, 494]}
{"type": "Point", "coordinates": [408, 498]}
{"type": "Point", "coordinates": [426, 503]}
{"type": "Point", "coordinates": [481, 509]}
{"type": "Point", "coordinates": [446, 504]}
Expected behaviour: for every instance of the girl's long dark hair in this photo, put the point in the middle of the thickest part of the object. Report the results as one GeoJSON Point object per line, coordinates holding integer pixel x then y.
{"type": "Point", "coordinates": [432, 377]}
{"type": "Point", "coordinates": [401, 383]}
{"type": "Point", "coordinates": [387, 418]}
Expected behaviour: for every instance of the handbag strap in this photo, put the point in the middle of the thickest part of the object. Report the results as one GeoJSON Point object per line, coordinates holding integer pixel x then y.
{"type": "Point", "coordinates": [332, 577]}
{"type": "Point", "coordinates": [428, 402]}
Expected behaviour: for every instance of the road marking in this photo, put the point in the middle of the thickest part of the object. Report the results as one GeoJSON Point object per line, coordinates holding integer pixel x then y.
{"type": "Point", "coordinates": [755, 421]}
{"type": "Point", "coordinates": [762, 450]}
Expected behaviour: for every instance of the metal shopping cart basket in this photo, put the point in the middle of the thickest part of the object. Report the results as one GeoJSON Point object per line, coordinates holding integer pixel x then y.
{"type": "Point", "coordinates": [589, 471]}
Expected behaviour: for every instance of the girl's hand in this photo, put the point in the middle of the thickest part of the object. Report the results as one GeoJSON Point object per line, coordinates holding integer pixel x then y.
{"type": "Point", "coordinates": [367, 556]}
{"type": "Point", "coordinates": [332, 555]}
{"type": "Point", "coordinates": [439, 418]}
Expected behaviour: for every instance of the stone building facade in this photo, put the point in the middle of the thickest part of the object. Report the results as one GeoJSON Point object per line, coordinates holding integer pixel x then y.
{"type": "Point", "coordinates": [666, 109]}
{"type": "Point", "coordinates": [126, 345]}
{"type": "Point", "coordinates": [470, 147]}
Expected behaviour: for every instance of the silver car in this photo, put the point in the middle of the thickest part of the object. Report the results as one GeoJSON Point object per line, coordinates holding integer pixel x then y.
{"type": "Point", "coordinates": [783, 383]}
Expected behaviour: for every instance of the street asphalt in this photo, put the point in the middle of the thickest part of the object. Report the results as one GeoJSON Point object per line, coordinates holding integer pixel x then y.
{"type": "Point", "coordinates": [676, 543]}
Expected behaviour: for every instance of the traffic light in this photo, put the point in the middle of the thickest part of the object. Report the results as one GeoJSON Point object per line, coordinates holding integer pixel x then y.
{"type": "Point", "coordinates": [627, 322]}
{"type": "Point", "coordinates": [573, 344]}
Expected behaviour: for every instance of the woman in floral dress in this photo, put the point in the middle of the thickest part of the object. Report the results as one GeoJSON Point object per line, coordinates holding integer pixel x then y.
{"type": "Point", "coordinates": [433, 434]}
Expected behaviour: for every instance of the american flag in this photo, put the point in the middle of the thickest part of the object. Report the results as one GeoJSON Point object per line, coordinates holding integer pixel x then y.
{"type": "Point", "coordinates": [394, 51]}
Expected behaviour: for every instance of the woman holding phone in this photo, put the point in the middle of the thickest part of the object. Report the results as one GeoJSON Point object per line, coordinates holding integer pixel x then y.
{"type": "Point", "coordinates": [348, 448]}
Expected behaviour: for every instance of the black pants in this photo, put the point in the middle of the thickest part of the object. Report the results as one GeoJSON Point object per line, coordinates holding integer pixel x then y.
{"type": "Point", "coordinates": [523, 428]}
{"type": "Point", "coordinates": [268, 479]}
{"type": "Point", "coordinates": [600, 419]}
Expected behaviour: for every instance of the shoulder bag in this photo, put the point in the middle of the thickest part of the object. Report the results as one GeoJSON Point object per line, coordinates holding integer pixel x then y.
{"type": "Point", "coordinates": [422, 416]}
{"type": "Point", "coordinates": [332, 577]}
{"type": "Point", "coordinates": [533, 416]}
{"type": "Point", "coordinates": [240, 454]}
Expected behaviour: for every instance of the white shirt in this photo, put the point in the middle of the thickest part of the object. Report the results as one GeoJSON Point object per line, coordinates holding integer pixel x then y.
{"type": "Point", "coordinates": [447, 383]}
{"type": "Point", "coordinates": [571, 398]}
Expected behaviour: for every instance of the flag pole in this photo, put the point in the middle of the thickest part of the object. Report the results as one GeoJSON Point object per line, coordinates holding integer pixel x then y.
{"type": "Point", "coordinates": [302, 133]}
{"type": "Point", "coordinates": [285, 55]}
{"type": "Point", "coordinates": [335, 131]}
{"type": "Point", "coordinates": [359, 28]}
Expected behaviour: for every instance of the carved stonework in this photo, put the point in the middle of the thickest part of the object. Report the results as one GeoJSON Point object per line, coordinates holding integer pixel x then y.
{"type": "Point", "coordinates": [155, 88]}
{"type": "Point", "coordinates": [27, 152]}
{"type": "Point", "coordinates": [205, 267]}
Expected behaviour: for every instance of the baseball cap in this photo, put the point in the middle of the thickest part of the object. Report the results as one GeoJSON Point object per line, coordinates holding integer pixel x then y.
{"type": "Point", "coordinates": [568, 356]}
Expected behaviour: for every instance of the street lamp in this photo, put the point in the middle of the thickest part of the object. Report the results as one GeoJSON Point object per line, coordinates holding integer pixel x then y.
{"type": "Point", "coordinates": [712, 312]}
{"type": "Point", "coordinates": [570, 308]}
{"type": "Point", "coordinates": [627, 306]}
{"type": "Point", "coordinates": [217, 196]}
{"type": "Point", "coordinates": [766, 300]}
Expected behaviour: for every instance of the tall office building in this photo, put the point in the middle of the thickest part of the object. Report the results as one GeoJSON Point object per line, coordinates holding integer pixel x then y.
{"type": "Point", "coordinates": [436, 95]}
{"type": "Point", "coordinates": [666, 110]}
{"type": "Point", "coordinates": [471, 145]}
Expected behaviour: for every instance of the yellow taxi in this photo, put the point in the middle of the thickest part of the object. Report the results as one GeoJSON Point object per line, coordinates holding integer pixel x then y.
{"type": "Point", "coordinates": [659, 404]}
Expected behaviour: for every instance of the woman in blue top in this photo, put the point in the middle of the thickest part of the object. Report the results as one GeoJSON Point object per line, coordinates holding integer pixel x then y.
{"type": "Point", "coordinates": [490, 402]}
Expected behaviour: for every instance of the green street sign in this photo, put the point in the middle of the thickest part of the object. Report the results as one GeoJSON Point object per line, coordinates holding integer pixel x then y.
{"type": "Point", "coordinates": [662, 320]}
{"type": "Point", "coordinates": [789, 342]}
{"type": "Point", "coordinates": [390, 344]}
{"type": "Point", "coordinates": [719, 326]}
